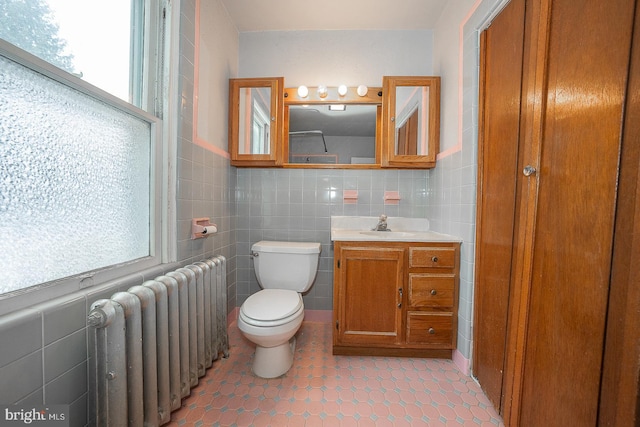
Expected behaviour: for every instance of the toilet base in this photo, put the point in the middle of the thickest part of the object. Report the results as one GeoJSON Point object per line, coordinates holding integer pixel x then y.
{"type": "Point", "coordinates": [271, 362]}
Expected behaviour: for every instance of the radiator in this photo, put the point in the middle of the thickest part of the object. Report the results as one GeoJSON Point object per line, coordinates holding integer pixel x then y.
{"type": "Point", "coordinates": [154, 341]}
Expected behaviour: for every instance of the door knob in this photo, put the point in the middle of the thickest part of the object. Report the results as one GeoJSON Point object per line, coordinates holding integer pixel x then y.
{"type": "Point", "coordinates": [528, 170]}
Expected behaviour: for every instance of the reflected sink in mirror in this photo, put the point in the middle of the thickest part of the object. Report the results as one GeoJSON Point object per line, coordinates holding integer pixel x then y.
{"type": "Point", "coordinates": [388, 234]}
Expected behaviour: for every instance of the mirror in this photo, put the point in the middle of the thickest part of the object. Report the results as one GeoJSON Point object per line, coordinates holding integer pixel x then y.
{"type": "Point", "coordinates": [411, 121]}
{"type": "Point", "coordinates": [326, 129]}
{"type": "Point", "coordinates": [255, 121]}
{"type": "Point", "coordinates": [254, 131]}
{"type": "Point", "coordinates": [332, 133]}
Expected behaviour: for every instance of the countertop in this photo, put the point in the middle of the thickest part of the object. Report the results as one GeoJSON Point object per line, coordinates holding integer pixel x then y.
{"type": "Point", "coordinates": [402, 230]}
{"type": "Point", "coordinates": [386, 236]}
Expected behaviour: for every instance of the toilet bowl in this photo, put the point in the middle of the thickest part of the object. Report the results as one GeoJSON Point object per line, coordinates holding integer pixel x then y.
{"type": "Point", "coordinates": [271, 317]}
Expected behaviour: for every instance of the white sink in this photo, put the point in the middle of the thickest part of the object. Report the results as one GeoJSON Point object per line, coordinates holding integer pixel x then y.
{"type": "Point", "coordinates": [358, 229]}
{"type": "Point", "coordinates": [388, 234]}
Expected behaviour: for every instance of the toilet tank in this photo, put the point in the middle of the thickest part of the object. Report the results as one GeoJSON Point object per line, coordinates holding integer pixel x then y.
{"type": "Point", "coordinates": [286, 265]}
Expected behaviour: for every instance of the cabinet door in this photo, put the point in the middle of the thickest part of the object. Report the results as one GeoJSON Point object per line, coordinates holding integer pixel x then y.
{"type": "Point", "coordinates": [369, 295]}
{"type": "Point", "coordinates": [255, 121]}
{"type": "Point", "coordinates": [410, 121]}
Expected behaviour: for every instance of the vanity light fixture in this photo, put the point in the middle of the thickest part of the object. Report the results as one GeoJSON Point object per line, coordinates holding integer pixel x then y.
{"type": "Point", "coordinates": [303, 91]}
{"type": "Point", "coordinates": [337, 107]}
{"type": "Point", "coordinates": [322, 92]}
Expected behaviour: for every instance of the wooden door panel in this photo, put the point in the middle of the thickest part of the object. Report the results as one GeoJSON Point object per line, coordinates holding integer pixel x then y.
{"type": "Point", "coordinates": [577, 178]}
{"type": "Point", "coordinates": [371, 283]}
{"type": "Point", "coordinates": [620, 393]}
{"type": "Point", "coordinates": [502, 56]}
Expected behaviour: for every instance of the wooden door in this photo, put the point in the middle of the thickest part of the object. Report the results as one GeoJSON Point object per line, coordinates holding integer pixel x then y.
{"type": "Point", "coordinates": [371, 285]}
{"type": "Point", "coordinates": [620, 394]}
{"type": "Point", "coordinates": [500, 81]}
{"type": "Point", "coordinates": [577, 60]}
{"type": "Point", "coordinates": [571, 355]}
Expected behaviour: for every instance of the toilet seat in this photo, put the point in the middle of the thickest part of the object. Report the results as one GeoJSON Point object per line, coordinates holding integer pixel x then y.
{"type": "Point", "coordinates": [271, 307]}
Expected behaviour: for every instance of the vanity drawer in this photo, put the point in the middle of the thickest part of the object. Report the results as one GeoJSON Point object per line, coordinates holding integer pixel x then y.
{"type": "Point", "coordinates": [430, 328]}
{"type": "Point", "coordinates": [431, 290]}
{"type": "Point", "coordinates": [432, 257]}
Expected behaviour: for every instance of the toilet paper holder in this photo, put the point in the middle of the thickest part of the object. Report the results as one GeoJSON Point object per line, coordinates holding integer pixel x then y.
{"type": "Point", "coordinates": [202, 227]}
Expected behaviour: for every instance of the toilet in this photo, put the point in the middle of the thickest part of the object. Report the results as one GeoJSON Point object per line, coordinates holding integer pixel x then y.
{"type": "Point", "coordinates": [271, 317]}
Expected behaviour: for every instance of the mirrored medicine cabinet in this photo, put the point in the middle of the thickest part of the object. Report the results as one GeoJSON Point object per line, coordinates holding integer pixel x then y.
{"type": "Point", "coordinates": [411, 114]}
{"type": "Point", "coordinates": [393, 126]}
{"type": "Point", "coordinates": [256, 113]}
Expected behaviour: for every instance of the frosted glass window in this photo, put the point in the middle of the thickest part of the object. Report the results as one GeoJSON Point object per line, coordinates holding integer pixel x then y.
{"type": "Point", "coordinates": [74, 181]}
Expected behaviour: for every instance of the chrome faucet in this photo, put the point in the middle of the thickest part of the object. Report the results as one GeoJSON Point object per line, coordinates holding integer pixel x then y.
{"type": "Point", "coordinates": [382, 224]}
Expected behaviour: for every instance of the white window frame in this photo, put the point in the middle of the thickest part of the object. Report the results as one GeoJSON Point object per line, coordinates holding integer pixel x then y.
{"type": "Point", "coordinates": [160, 95]}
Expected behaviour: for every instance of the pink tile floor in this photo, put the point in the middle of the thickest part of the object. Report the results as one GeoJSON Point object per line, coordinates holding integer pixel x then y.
{"type": "Point", "coordinates": [326, 390]}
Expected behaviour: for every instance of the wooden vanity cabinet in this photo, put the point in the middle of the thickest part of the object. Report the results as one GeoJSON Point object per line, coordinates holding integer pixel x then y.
{"type": "Point", "coordinates": [396, 298]}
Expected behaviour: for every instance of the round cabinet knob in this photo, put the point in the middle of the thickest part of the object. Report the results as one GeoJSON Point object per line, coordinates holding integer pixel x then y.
{"type": "Point", "coordinates": [434, 259]}
{"type": "Point", "coordinates": [434, 292]}
{"type": "Point", "coordinates": [529, 170]}
{"type": "Point", "coordinates": [432, 331]}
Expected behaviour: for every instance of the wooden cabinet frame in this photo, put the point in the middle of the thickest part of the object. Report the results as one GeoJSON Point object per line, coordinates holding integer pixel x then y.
{"type": "Point", "coordinates": [373, 97]}
{"type": "Point", "coordinates": [276, 105]}
{"type": "Point", "coordinates": [428, 132]}
{"type": "Point", "coordinates": [385, 97]}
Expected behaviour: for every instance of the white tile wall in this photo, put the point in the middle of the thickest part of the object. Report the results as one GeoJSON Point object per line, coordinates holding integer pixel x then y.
{"type": "Point", "coordinates": [297, 205]}
{"type": "Point", "coordinates": [206, 181]}
{"type": "Point", "coordinates": [452, 193]}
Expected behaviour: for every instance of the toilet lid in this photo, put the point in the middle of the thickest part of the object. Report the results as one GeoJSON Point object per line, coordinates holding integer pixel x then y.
{"type": "Point", "coordinates": [271, 304]}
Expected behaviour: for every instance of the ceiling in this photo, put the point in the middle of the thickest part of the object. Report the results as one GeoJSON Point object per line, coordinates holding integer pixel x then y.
{"type": "Point", "coordinates": [356, 120]}
{"type": "Point", "coordinates": [300, 15]}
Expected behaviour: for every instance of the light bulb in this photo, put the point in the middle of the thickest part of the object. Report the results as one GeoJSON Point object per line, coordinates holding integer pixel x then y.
{"type": "Point", "coordinates": [322, 91]}
{"type": "Point", "coordinates": [342, 90]}
{"type": "Point", "coordinates": [303, 91]}
{"type": "Point", "coordinates": [362, 90]}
